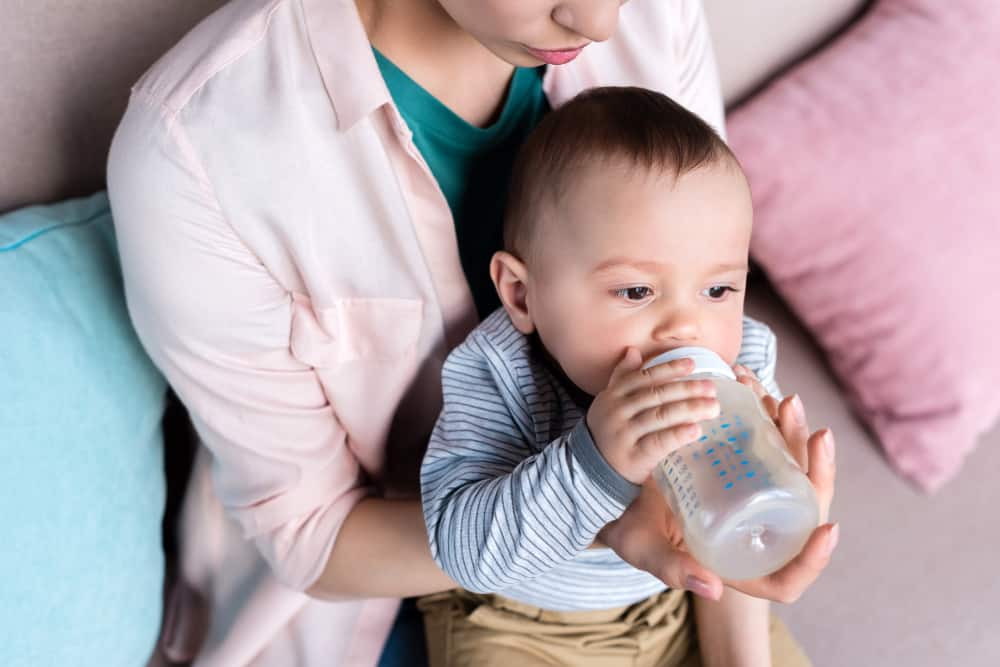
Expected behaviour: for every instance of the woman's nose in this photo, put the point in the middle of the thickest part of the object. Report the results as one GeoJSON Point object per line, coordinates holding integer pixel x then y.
{"type": "Point", "coordinates": [680, 326]}
{"type": "Point", "coordinates": [595, 20]}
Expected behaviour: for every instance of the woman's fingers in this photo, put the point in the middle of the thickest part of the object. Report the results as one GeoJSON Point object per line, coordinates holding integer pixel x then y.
{"type": "Point", "coordinates": [814, 453]}
{"type": "Point", "coordinates": [822, 469]}
{"type": "Point", "coordinates": [770, 407]}
{"type": "Point", "coordinates": [787, 584]}
{"type": "Point", "coordinates": [645, 536]}
{"type": "Point", "coordinates": [678, 569]}
{"type": "Point", "coordinates": [658, 555]}
{"type": "Point", "coordinates": [794, 429]}
{"type": "Point", "coordinates": [746, 377]}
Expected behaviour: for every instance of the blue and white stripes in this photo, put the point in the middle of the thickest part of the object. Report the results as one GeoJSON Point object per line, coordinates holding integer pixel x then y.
{"type": "Point", "coordinates": [514, 488]}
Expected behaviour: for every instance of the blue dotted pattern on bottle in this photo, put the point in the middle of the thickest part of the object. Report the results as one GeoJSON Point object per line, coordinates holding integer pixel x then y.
{"type": "Point", "coordinates": [722, 450]}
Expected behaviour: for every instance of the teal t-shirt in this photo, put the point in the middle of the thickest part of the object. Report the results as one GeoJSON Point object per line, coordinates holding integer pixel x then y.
{"type": "Point", "coordinates": [472, 165]}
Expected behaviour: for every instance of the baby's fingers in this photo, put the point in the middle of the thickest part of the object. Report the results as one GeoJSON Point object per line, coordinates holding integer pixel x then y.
{"type": "Point", "coordinates": [670, 392]}
{"type": "Point", "coordinates": [630, 362]}
{"type": "Point", "coordinates": [641, 379]}
{"type": "Point", "coordinates": [666, 428]}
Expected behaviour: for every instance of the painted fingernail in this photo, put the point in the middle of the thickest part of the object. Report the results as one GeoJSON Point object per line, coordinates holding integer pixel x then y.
{"type": "Point", "coordinates": [829, 446]}
{"type": "Point", "coordinates": [798, 411]}
{"type": "Point", "coordinates": [834, 538]}
{"type": "Point", "coordinates": [699, 587]}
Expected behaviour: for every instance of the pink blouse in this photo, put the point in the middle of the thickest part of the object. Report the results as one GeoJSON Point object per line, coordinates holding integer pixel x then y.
{"type": "Point", "coordinates": [291, 266]}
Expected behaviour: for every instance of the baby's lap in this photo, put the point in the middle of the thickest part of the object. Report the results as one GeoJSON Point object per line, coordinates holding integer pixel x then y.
{"type": "Point", "coordinates": [466, 629]}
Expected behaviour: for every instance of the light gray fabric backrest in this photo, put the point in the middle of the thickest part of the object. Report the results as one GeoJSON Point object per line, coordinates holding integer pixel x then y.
{"type": "Point", "coordinates": [756, 40]}
{"type": "Point", "coordinates": [66, 67]}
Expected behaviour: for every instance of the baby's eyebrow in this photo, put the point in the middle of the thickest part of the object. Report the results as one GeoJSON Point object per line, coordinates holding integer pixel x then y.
{"type": "Point", "coordinates": [648, 266]}
{"type": "Point", "coordinates": [722, 268]}
{"type": "Point", "coordinates": [652, 266]}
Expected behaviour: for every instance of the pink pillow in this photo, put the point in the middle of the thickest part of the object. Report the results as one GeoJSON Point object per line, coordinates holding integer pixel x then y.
{"type": "Point", "coordinates": [875, 168]}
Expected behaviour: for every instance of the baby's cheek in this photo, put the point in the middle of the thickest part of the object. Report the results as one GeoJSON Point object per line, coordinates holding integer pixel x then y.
{"type": "Point", "coordinates": [729, 347]}
{"type": "Point", "coordinates": [590, 377]}
{"type": "Point", "coordinates": [731, 337]}
{"type": "Point", "coordinates": [593, 373]}
{"type": "Point", "coordinates": [600, 381]}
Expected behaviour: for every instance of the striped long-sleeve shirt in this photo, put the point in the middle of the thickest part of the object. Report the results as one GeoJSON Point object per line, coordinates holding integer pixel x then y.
{"type": "Point", "coordinates": [514, 487]}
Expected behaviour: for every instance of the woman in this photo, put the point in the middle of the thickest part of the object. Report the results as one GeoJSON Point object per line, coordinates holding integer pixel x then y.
{"type": "Point", "coordinates": [302, 246]}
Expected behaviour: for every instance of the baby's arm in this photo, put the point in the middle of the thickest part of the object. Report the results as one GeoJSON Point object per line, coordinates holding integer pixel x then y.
{"type": "Point", "coordinates": [735, 631]}
{"type": "Point", "coordinates": [499, 511]}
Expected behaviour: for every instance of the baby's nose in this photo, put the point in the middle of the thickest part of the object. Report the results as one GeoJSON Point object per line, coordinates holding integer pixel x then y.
{"type": "Point", "coordinates": [679, 327]}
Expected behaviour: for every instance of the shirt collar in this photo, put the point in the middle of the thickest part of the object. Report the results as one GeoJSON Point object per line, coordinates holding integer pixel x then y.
{"type": "Point", "coordinates": [345, 59]}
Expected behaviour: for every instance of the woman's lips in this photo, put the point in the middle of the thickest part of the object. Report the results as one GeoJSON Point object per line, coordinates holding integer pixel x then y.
{"type": "Point", "coordinates": [556, 56]}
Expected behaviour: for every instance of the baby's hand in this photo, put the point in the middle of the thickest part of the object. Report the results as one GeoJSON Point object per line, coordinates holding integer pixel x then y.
{"type": "Point", "coordinates": [644, 415]}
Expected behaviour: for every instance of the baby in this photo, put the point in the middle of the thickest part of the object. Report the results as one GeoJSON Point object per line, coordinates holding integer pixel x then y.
{"type": "Point", "coordinates": [627, 234]}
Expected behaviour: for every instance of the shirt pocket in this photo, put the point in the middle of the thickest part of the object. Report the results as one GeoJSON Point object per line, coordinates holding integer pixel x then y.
{"type": "Point", "coordinates": [355, 330]}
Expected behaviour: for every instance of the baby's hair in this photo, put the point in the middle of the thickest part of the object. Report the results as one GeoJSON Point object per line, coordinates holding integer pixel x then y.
{"type": "Point", "coordinates": [608, 126]}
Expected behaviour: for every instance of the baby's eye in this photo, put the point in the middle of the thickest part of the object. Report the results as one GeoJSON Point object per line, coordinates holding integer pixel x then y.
{"type": "Point", "coordinates": [717, 292]}
{"type": "Point", "coordinates": [634, 293]}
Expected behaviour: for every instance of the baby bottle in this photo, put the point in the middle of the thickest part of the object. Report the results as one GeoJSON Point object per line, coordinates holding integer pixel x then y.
{"type": "Point", "coordinates": [745, 505]}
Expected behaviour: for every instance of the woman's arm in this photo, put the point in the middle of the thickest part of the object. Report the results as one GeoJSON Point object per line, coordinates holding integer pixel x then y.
{"type": "Point", "coordinates": [381, 551]}
{"type": "Point", "coordinates": [217, 323]}
{"type": "Point", "coordinates": [733, 631]}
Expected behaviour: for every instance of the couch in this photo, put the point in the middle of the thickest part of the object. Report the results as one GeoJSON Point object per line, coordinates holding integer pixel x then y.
{"type": "Point", "coordinates": [910, 583]}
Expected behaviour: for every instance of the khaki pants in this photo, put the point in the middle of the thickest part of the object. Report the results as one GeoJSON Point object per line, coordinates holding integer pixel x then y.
{"type": "Point", "coordinates": [470, 630]}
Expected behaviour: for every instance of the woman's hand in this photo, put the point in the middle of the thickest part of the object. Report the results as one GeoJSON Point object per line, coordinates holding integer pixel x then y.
{"type": "Point", "coordinates": [648, 535]}
{"type": "Point", "coordinates": [815, 455]}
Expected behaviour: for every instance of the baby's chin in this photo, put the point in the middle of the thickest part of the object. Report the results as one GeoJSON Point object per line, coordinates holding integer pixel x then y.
{"type": "Point", "coordinates": [591, 383]}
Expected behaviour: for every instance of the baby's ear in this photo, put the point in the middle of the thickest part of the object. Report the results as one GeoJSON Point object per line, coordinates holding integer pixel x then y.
{"type": "Point", "coordinates": [510, 277]}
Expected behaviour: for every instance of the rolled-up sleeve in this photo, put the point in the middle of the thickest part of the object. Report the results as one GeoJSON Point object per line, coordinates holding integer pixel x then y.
{"type": "Point", "coordinates": [217, 324]}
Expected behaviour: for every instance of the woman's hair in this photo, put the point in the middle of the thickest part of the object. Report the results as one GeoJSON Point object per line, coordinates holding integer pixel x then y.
{"type": "Point", "coordinates": [608, 126]}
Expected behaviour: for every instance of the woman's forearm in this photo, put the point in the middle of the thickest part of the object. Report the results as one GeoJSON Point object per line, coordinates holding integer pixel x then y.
{"type": "Point", "coordinates": [733, 631]}
{"type": "Point", "coordinates": [381, 551]}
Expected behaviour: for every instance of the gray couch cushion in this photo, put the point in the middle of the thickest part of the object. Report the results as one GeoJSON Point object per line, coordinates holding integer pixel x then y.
{"type": "Point", "coordinates": [67, 66]}
{"type": "Point", "coordinates": [754, 40]}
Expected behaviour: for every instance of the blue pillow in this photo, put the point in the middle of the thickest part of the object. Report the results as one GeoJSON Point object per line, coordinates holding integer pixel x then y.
{"type": "Point", "coordinates": [82, 487]}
